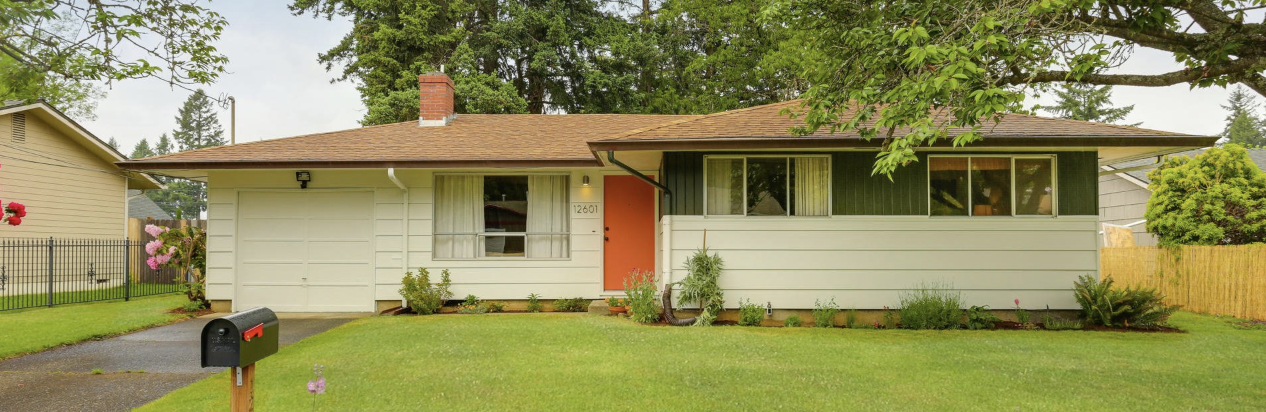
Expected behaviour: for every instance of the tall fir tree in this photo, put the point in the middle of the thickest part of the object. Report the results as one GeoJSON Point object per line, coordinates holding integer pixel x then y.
{"type": "Point", "coordinates": [197, 125]}
{"type": "Point", "coordinates": [1080, 101]}
{"type": "Point", "coordinates": [142, 150]}
{"type": "Point", "coordinates": [163, 146]}
{"type": "Point", "coordinates": [113, 143]}
{"type": "Point", "coordinates": [1243, 127]}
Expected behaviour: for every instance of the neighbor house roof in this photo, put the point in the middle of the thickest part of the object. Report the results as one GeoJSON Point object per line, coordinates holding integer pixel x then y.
{"type": "Point", "coordinates": [492, 140]}
{"type": "Point", "coordinates": [142, 207]}
{"type": "Point", "coordinates": [770, 125]}
{"type": "Point", "coordinates": [80, 135]}
{"type": "Point", "coordinates": [470, 140]}
{"type": "Point", "coordinates": [1257, 155]}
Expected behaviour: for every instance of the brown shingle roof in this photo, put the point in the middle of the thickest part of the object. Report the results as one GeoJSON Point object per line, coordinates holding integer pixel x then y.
{"type": "Point", "coordinates": [767, 123]}
{"type": "Point", "coordinates": [471, 139]}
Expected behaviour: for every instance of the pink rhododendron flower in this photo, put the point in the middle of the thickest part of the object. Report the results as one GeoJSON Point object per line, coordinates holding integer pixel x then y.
{"type": "Point", "coordinates": [154, 230]}
{"type": "Point", "coordinates": [152, 247]}
{"type": "Point", "coordinates": [152, 262]}
{"type": "Point", "coordinates": [162, 259]}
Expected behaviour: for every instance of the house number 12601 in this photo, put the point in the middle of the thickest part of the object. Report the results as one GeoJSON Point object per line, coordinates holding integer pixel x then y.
{"type": "Point", "coordinates": [585, 208]}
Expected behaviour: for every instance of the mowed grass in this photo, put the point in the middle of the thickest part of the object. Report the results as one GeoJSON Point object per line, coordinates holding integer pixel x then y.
{"type": "Point", "coordinates": [33, 296]}
{"type": "Point", "coordinates": [32, 330]}
{"type": "Point", "coordinates": [578, 362]}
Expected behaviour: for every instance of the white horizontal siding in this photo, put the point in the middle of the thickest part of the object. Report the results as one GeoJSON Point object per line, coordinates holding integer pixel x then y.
{"type": "Point", "coordinates": [865, 262]}
{"type": "Point", "coordinates": [1122, 202]}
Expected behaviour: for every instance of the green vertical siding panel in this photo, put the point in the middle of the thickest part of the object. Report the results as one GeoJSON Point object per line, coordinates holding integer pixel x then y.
{"type": "Point", "coordinates": [856, 192]}
{"type": "Point", "coordinates": [683, 174]}
{"type": "Point", "coordinates": [1078, 183]}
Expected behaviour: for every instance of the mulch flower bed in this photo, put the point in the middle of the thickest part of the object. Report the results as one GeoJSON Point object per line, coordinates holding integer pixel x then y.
{"type": "Point", "coordinates": [196, 313]}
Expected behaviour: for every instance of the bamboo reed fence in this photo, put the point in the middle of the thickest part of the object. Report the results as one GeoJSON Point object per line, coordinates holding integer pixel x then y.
{"type": "Point", "coordinates": [1217, 280]}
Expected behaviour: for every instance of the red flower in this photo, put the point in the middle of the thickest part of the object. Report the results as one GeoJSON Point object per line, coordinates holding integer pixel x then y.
{"type": "Point", "coordinates": [14, 220]}
{"type": "Point", "coordinates": [17, 209]}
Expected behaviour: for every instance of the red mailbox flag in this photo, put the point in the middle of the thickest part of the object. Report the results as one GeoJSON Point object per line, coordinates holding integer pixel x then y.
{"type": "Point", "coordinates": [253, 332]}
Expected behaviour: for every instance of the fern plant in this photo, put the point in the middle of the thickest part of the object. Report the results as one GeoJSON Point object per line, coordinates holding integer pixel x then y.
{"type": "Point", "coordinates": [534, 303]}
{"type": "Point", "coordinates": [701, 285]}
{"type": "Point", "coordinates": [1100, 304]}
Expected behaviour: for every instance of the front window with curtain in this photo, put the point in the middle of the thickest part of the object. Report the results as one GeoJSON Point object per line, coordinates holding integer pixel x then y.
{"type": "Point", "coordinates": [991, 185]}
{"type": "Point", "coordinates": [767, 185]}
{"type": "Point", "coordinates": [502, 216]}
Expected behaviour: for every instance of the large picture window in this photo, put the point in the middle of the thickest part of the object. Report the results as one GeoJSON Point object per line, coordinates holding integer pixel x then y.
{"type": "Point", "coordinates": [501, 216]}
{"type": "Point", "coordinates": [767, 185]}
{"type": "Point", "coordinates": [991, 185]}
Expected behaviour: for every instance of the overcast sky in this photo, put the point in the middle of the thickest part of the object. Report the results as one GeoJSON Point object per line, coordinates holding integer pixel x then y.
{"type": "Point", "coordinates": [282, 90]}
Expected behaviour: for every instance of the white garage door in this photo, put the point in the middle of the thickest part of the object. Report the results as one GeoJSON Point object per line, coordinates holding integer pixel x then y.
{"type": "Point", "coordinates": [305, 251]}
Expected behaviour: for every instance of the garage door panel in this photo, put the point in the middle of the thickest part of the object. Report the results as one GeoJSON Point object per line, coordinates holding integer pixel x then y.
{"type": "Point", "coordinates": [272, 251]}
{"type": "Point", "coordinates": [308, 251]}
{"type": "Point", "coordinates": [275, 228]}
{"type": "Point", "coordinates": [340, 229]}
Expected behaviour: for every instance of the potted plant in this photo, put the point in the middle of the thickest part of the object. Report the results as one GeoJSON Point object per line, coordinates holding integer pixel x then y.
{"type": "Point", "coordinates": [617, 305]}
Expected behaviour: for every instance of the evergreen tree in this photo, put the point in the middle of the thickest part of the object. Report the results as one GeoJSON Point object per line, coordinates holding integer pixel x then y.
{"type": "Point", "coordinates": [1243, 127]}
{"type": "Point", "coordinates": [1216, 198]}
{"type": "Point", "coordinates": [163, 146]}
{"type": "Point", "coordinates": [142, 150]}
{"type": "Point", "coordinates": [1080, 101]}
{"type": "Point", "coordinates": [197, 124]}
{"type": "Point", "coordinates": [113, 143]}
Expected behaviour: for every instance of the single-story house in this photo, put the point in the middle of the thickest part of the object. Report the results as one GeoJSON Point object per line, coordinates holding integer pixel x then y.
{"type": "Point", "coordinates": [1124, 192]}
{"type": "Point", "coordinates": [331, 221]}
{"type": "Point", "coordinates": [67, 178]}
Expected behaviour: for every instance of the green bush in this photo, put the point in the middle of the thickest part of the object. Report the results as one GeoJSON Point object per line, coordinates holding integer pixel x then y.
{"type": "Point", "coordinates": [192, 306]}
{"type": "Point", "coordinates": [1060, 324]}
{"type": "Point", "coordinates": [890, 319]}
{"type": "Point", "coordinates": [701, 286]}
{"type": "Point", "coordinates": [494, 307]}
{"type": "Point", "coordinates": [472, 305]}
{"type": "Point", "coordinates": [534, 303]}
{"type": "Point", "coordinates": [571, 305]}
{"type": "Point", "coordinates": [850, 318]}
{"type": "Point", "coordinates": [824, 313]}
{"type": "Point", "coordinates": [1101, 304]}
{"type": "Point", "coordinates": [423, 297]}
{"type": "Point", "coordinates": [931, 306]}
{"type": "Point", "coordinates": [642, 294]}
{"type": "Point", "coordinates": [979, 318]}
{"type": "Point", "coordinates": [750, 314]}
{"type": "Point", "coordinates": [792, 321]}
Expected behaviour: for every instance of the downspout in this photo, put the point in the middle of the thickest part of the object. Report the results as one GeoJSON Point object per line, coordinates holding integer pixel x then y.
{"type": "Point", "coordinates": [404, 244]}
{"type": "Point", "coordinates": [668, 193]}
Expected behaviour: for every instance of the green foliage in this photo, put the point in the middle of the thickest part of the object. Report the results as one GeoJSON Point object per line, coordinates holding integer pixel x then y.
{"type": "Point", "coordinates": [1216, 198]}
{"type": "Point", "coordinates": [1052, 323]}
{"type": "Point", "coordinates": [750, 314]}
{"type": "Point", "coordinates": [850, 318]}
{"type": "Point", "coordinates": [824, 313]}
{"type": "Point", "coordinates": [141, 150]}
{"type": "Point", "coordinates": [792, 321]}
{"type": "Point", "coordinates": [642, 292]}
{"type": "Point", "coordinates": [197, 125]}
{"type": "Point", "coordinates": [1101, 304]}
{"type": "Point", "coordinates": [27, 84]}
{"type": "Point", "coordinates": [97, 371]}
{"type": "Point", "coordinates": [534, 303]}
{"type": "Point", "coordinates": [1021, 315]}
{"type": "Point", "coordinates": [423, 297]}
{"type": "Point", "coordinates": [1079, 101]}
{"type": "Point", "coordinates": [571, 305]}
{"type": "Point", "coordinates": [979, 318]}
{"type": "Point", "coordinates": [1243, 126]}
{"type": "Point", "coordinates": [701, 284]}
{"type": "Point", "coordinates": [931, 306]}
{"type": "Point", "coordinates": [193, 306]}
{"type": "Point", "coordinates": [494, 307]}
{"type": "Point", "coordinates": [188, 250]}
{"type": "Point", "coordinates": [169, 40]}
{"type": "Point", "coordinates": [615, 302]}
{"type": "Point", "coordinates": [889, 319]}
{"type": "Point", "coordinates": [910, 72]}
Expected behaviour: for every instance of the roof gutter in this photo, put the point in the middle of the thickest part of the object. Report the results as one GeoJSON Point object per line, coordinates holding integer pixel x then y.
{"type": "Point", "coordinates": [404, 230]}
{"type": "Point", "coordinates": [668, 193]}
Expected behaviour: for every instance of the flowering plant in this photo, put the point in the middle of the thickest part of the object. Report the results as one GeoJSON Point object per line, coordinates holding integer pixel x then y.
{"type": "Point", "coordinates": [13, 213]}
{"type": "Point", "coordinates": [1021, 315]}
{"type": "Point", "coordinates": [184, 249]}
{"type": "Point", "coordinates": [317, 385]}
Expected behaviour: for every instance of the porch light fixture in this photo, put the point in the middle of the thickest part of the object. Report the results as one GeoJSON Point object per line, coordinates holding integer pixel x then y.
{"type": "Point", "coordinates": [769, 309]}
{"type": "Point", "coordinates": [584, 180]}
{"type": "Point", "coordinates": [303, 178]}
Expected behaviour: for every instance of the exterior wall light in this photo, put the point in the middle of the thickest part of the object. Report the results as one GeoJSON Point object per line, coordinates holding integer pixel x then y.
{"type": "Point", "coordinates": [769, 309]}
{"type": "Point", "coordinates": [584, 180]}
{"type": "Point", "coordinates": [303, 178]}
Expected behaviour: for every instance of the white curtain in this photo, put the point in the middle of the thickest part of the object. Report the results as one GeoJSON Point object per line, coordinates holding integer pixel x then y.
{"type": "Point", "coordinates": [548, 213]}
{"type": "Point", "coordinates": [813, 186]}
{"type": "Point", "coordinates": [725, 186]}
{"type": "Point", "coordinates": [459, 215]}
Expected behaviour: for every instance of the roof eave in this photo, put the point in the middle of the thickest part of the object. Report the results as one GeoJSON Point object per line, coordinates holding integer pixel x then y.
{"type": "Point", "coordinates": [840, 142]}
{"type": "Point", "coordinates": [353, 164]}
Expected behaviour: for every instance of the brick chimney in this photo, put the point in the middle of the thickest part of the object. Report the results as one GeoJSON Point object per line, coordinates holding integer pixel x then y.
{"type": "Point", "coordinates": [435, 100]}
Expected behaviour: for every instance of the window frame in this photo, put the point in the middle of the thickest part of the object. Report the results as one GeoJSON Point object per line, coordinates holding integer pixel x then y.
{"type": "Point", "coordinates": [971, 199]}
{"type": "Point", "coordinates": [830, 202]}
{"type": "Point", "coordinates": [481, 236]}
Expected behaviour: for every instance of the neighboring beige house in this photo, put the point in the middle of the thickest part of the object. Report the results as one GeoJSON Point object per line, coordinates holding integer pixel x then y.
{"type": "Point", "coordinates": [64, 175]}
{"type": "Point", "coordinates": [1123, 192]}
{"type": "Point", "coordinates": [568, 205]}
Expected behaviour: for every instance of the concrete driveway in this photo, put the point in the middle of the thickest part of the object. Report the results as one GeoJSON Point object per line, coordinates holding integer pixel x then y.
{"type": "Point", "coordinates": [62, 379]}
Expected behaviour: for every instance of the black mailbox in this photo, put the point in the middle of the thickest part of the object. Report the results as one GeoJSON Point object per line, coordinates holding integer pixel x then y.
{"type": "Point", "coordinates": [239, 339]}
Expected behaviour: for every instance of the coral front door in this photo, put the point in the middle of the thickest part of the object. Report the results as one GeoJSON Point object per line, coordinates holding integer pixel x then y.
{"type": "Point", "coordinates": [629, 218]}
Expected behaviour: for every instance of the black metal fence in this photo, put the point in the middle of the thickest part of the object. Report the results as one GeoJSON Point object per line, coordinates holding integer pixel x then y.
{"type": "Point", "coordinates": [52, 271]}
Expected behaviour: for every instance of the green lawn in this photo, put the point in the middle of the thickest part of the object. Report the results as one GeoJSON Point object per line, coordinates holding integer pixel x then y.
{"type": "Point", "coordinates": [33, 330]}
{"type": "Point", "coordinates": [579, 362]}
{"type": "Point", "coordinates": [37, 298]}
